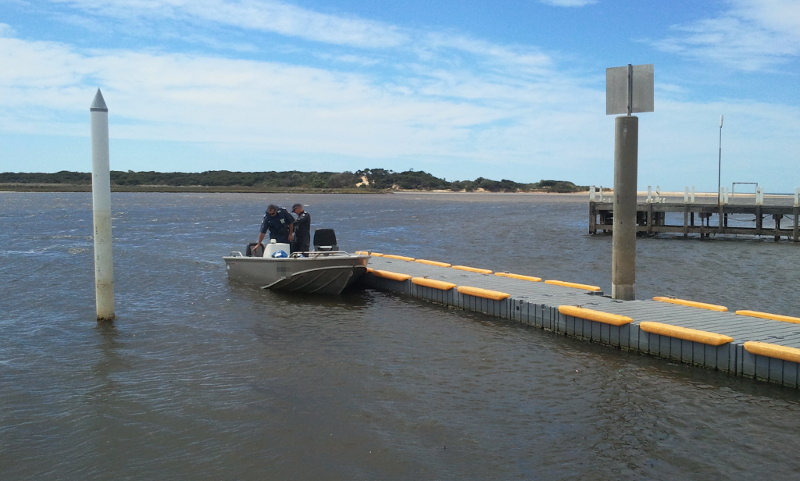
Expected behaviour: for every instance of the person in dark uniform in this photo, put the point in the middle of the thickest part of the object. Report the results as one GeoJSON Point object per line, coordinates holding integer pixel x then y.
{"type": "Point", "coordinates": [279, 223]}
{"type": "Point", "coordinates": [301, 242]}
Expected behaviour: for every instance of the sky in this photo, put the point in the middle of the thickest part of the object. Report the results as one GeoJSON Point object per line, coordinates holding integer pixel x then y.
{"type": "Point", "coordinates": [461, 89]}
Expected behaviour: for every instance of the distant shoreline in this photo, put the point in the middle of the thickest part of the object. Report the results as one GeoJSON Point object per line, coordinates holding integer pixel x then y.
{"type": "Point", "coordinates": [175, 189]}
{"type": "Point", "coordinates": [53, 188]}
{"type": "Point", "coordinates": [247, 190]}
{"type": "Point", "coordinates": [363, 181]}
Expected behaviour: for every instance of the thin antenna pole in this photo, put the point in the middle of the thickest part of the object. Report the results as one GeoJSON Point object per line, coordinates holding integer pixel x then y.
{"type": "Point", "coordinates": [630, 89]}
{"type": "Point", "coordinates": [719, 166]}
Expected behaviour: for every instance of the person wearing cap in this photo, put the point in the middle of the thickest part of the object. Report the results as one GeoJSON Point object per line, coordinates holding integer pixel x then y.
{"type": "Point", "coordinates": [301, 240]}
{"type": "Point", "coordinates": [279, 223]}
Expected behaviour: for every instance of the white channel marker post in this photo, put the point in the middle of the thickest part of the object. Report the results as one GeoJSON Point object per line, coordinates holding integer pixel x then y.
{"type": "Point", "coordinates": [101, 210]}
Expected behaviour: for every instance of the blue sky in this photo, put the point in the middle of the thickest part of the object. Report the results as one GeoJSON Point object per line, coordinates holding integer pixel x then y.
{"type": "Point", "coordinates": [502, 89]}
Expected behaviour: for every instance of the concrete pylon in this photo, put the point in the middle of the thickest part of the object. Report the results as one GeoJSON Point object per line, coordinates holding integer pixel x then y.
{"type": "Point", "coordinates": [623, 255]}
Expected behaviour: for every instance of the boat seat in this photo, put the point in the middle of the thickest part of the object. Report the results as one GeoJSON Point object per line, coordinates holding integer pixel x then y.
{"type": "Point", "coordinates": [325, 240]}
{"type": "Point", "coordinates": [254, 250]}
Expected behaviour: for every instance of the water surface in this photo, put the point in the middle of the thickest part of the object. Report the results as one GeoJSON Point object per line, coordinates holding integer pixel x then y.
{"type": "Point", "coordinates": [200, 378]}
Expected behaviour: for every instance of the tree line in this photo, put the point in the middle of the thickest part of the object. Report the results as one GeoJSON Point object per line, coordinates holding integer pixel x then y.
{"type": "Point", "coordinates": [368, 180]}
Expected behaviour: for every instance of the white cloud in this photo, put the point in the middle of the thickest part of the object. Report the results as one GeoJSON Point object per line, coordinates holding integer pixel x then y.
{"type": "Point", "coordinates": [257, 15]}
{"type": "Point", "coordinates": [443, 102]}
{"type": "Point", "coordinates": [568, 3]}
{"type": "Point", "coordinates": [753, 35]}
{"type": "Point", "coordinates": [200, 98]}
{"type": "Point", "coordinates": [522, 60]}
{"type": "Point", "coordinates": [433, 115]}
{"type": "Point", "coordinates": [30, 65]}
{"type": "Point", "coordinates": [780, 16]}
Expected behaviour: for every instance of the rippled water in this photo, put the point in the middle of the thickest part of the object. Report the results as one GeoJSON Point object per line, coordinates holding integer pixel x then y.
{"type": "Point", "coordinates": [199, 378]}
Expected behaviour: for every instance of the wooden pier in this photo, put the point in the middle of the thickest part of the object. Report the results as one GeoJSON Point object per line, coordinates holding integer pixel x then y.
{"type": "Point", "coordinates": [757, 345]}
{"type": "Point", "coordinates": [778, 220]}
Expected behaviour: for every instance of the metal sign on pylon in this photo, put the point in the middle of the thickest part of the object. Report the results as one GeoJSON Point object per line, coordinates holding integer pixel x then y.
{"type": "Point", "coordinates": [629, 89]}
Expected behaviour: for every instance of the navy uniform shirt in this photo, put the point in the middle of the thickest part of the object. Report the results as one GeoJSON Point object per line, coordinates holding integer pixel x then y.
{"type": "Point", "coordinates": [277, 225]}
{"type": "Point", "coordinates": [302, 230]}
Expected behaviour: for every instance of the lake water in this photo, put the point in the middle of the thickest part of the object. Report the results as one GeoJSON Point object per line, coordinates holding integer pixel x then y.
{"type": "Point", "coordinates": [201, 379]}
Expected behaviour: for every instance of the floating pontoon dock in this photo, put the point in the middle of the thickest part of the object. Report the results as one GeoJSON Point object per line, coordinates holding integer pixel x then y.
{"type": "Point", "coordinates": [751, 344]}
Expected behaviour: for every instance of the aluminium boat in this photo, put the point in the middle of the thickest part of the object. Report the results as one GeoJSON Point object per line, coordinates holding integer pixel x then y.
{"type": "Point", "coordinates": [325, 270]}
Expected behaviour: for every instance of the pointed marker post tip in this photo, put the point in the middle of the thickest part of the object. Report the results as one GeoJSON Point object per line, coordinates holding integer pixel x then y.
{"type": "Point", "coordinates": [98, 104]}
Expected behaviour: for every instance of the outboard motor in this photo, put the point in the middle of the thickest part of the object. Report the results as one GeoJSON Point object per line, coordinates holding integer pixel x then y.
{"type": "Point", "coordinates": [325, 240]}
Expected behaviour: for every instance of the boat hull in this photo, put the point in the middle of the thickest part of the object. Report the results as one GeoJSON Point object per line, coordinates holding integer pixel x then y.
{"type": "Point", "coordinates": [319, 273]}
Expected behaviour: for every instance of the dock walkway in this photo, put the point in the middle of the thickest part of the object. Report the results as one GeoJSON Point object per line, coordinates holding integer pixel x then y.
{"type": "Point", "coordinates": [746, 343]}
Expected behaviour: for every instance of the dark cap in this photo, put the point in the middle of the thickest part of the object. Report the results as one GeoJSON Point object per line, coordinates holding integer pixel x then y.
{"type": "Point", "coordinates": [296, 206]}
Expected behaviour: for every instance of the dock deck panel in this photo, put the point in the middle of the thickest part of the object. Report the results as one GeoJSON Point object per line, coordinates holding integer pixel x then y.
{"type": "Point", "coordinates": [536, 304]}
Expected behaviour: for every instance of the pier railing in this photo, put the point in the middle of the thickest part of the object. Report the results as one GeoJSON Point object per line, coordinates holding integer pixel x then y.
{"type": "Point", "coordinates": [776, 216]}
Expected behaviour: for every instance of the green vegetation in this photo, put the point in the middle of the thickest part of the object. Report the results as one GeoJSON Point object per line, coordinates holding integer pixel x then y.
{"type": "Point", "coordinates": [367, 180]}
